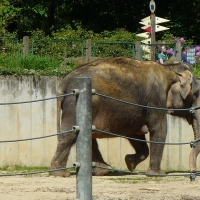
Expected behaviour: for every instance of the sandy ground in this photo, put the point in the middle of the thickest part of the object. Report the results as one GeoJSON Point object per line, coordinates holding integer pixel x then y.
{"type": "Point", "coordinates": [114, 186]}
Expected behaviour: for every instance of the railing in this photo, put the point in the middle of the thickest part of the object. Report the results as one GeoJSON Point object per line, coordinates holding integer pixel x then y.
{"type": "Point", "coordinates": [124, 50]}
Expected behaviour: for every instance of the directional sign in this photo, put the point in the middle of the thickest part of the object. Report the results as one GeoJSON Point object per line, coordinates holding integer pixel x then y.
{"type": "Point", "coordinates": [147, 57]}
{"type": "Point", "coordinates": [157, 28]}
{"type": "Point", "coordinates": [146, 49]}
{"type": "Point", "coordinates": [160, 28]}
{"type": "Point", "coordinates": [145, 27]}
{"type": "Point", "coordinates": [146, 21]}
{"type": "Point", "coordinates": [161, 20]}
{"type": "Point", "coordinates": [144, 35]}
{"type": "Point", "coordinates": [147, 41]}
{"type": "Point", "coordinates": [146, 52]}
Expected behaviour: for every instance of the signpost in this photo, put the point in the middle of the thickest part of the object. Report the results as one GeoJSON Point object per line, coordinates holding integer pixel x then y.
{"type": "Point", "coordinates": [150, 27]}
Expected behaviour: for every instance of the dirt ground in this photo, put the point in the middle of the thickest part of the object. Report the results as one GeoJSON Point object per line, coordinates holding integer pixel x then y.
{"type": "Point", "coordinates": [114, 186]}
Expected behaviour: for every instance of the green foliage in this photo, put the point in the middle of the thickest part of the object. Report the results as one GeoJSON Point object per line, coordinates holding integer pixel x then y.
{"type": "Point", "coordinates": [7, 13]}
{"type": "Point", "coordinates": [47, 52]}
{"type": "Point", "coordinates": [169, 38]}
{"type": "Point", "coordinates": [197, 67]}
{"type": "Point", "coordinates": [32, 65]}
{"type": "Point", "coordinates": [68, 42]}
{"type": "Point", "coordinates": [98, 16]}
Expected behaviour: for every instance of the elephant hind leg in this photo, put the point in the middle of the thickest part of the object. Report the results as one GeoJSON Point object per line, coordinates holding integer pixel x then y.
{"type": "Point", "coordinates": [142, 152]}
{"type": "Point", "coordinates": [98, 159]}
{"type": "Point", "coordinates": [60, 158]}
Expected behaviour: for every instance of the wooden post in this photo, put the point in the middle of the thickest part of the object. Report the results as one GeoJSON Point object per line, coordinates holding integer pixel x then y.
{"type": "Point", "coordinates": [138, 55]}
{"type": "Point", "coordinates": [88, 48]}
{"type": "Point", "coordinates": [153, 37]}
{"type": "Point", "coordinates": [25, 45]}
{"type": "Point", "coordinates": [178, 51]}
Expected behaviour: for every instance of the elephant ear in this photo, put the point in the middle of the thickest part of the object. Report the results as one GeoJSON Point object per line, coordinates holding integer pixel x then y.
{"type": "Point", "coordinates": [185, 79]}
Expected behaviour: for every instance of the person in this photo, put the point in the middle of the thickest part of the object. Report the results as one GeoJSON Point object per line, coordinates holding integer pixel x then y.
{"type": "Point", "coordinates": [184, 54]}
{"type": "Point", "coordinates": [162, 56]}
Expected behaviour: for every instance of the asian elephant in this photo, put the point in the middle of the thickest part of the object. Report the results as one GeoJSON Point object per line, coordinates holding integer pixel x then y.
{"type": "Point", "coordinates": [141, 82]}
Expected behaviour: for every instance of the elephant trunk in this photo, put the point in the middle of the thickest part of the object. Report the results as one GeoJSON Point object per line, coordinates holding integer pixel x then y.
{"type": "Point", "coordinates": [196, 128]}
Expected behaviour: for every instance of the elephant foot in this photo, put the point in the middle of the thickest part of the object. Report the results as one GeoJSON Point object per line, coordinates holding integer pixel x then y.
{"type": "Point", "coordinates": [151, 172]}
{"type": "Point", "coordinates": [98, 171]}
{"type": "Point", "coordinates": [132, 161]}
{"type": "Point", "coordinates": [61, 173]}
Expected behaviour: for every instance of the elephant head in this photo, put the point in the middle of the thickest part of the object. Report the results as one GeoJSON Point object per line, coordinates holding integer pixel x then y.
{"type": "Point", "coordinates": [186, 94]}
{"type": "Point", "coordinates": [180, 90]}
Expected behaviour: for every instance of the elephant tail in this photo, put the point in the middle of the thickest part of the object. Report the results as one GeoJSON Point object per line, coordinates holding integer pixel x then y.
{"type": "Point", "coordinates": [59, 103]}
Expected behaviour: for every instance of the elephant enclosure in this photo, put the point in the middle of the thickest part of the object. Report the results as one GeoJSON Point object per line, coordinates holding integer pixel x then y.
{"type": "Point", "coordinates": [110, 187]}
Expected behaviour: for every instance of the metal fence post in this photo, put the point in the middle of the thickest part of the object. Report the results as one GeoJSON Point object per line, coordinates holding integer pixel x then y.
{"type": "Point", "coordinates": [84, 139]}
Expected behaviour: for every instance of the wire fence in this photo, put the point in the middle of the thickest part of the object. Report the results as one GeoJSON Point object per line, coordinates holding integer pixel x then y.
{"type": "Point", "coordinates": [191, 143]}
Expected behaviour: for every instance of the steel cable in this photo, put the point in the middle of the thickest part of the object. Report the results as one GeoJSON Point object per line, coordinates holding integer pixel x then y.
{"type": "Point", "coordinates": [129, 138]}
{"type": "Point", "coordinates": [144, 173]}
{"type": "Point", "coordinates": [31, 101]}
{"type": "Point", "coordinates": [150, 107]}
{"type": "Point", "coordinates": [40, 172]}
{"type": "Point", "coordinates": [35, 138]}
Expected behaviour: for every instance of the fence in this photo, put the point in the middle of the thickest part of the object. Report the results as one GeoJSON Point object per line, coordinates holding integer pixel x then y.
{"type": "Point", "coordinates": [29, 143]}
{"type": "Point", "coordinates": [63, 48]}
{"type": "Point", "coordinates": [146, 50]}
{"type": "Point", "coordinates": [100, 49]}
{"type": "Point", "coordinates": [75, 48]}
{"type": "Point", "coordinates": [38, 119]}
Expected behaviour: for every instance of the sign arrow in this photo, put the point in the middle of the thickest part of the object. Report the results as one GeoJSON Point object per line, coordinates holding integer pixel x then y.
{"type": "Point", "coordinates": [144, 35]}
{"type": "Point", "coordinates": [160, 28]}
{"type": "Point", "coordinates": [147, 57]}
{"type": "Point", "coordinates": [147, 21]}
{"type": "Point", "coordinates": [147, 41]}
{"type": "Point", "coordinates": [161, 20]}
{"type": "Point", "coordinates": [157, 28]}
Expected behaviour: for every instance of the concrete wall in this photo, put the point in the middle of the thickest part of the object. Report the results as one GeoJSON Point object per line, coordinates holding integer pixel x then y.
{"type": "Point", "coordinates": [39, 119]}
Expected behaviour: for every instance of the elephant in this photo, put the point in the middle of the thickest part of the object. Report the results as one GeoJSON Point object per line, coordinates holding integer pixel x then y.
{"type": "Point", "coordinates": [141, 82]}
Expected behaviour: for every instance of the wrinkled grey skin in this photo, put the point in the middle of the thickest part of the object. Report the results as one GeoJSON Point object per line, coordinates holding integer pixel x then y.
{"type": "Point", "coordinates": [146, 83]}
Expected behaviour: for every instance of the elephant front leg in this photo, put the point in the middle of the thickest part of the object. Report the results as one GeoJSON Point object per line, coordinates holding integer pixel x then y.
{"type": "Point", "coordinates": [60, 158]}
{"type": "Point", "coordinates": [98, 159]}
{"type": "Point", "coordinates": [142, 152]}
{"type": "Point", "coordinates": [157, 134]}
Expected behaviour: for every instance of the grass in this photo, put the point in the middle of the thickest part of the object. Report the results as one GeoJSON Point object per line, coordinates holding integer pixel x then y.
{"type": "Point", "coordinates": [24, 169]}
{"type": "Point", "coordinates": [34, 65]}
{"type": "Point", "coordinates": [136, 179]}
{"type": "Point", "coordinates": [19, 65]}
